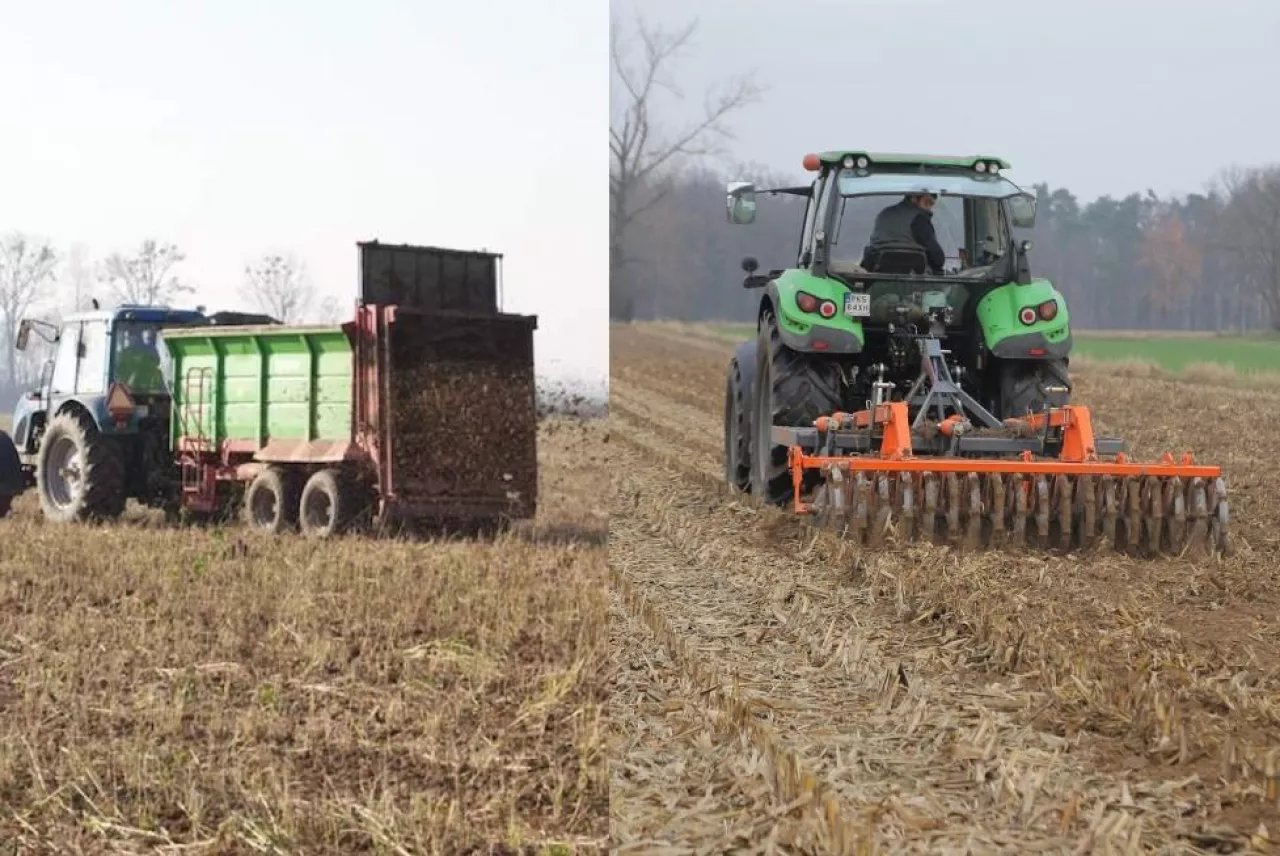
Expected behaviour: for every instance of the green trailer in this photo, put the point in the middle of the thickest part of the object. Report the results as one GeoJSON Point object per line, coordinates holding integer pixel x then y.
{"type": "Point", "coordinates": [397, 415]}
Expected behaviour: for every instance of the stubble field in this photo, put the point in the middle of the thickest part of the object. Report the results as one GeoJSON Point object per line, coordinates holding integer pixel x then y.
{"type": "Point", "coordinates": [779, 691]}
{"type": "Point", "coordinates": [203, 691]}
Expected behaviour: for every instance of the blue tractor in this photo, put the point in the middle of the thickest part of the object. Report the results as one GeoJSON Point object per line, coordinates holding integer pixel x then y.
{"type": "Point", "coordinates": [95, 432]}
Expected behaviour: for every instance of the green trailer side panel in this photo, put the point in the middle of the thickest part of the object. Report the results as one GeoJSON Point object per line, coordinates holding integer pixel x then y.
{"type": "Point", "coordinates": [257, 384]}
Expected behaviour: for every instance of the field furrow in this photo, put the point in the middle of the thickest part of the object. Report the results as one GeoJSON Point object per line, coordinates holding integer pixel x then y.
{"type": "Point", "coordinates": [1094, 652]}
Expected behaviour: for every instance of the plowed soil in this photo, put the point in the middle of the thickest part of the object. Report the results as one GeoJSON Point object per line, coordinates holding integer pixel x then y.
{"type": "Point", "coordinates": [814, 697]}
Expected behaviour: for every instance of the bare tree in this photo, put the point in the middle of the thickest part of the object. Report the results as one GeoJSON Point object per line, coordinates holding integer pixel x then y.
{"type": "Point", "coordinates": [329, 311]}
{"type": "Point", "coordinates": [26, 269]}
{"type": "Point", "coordinates": [145, 278]}
{"type": "Point", "coordinates": [644, 161]}
{"type": "Point", "coordinates": [280, 286]}
{"type": "Point", "coordinates": [1250, 232]}
{"type": "Point", "coordinates": [78, 276]}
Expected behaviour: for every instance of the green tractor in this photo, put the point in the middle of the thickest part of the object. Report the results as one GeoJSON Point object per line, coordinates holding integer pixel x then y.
{"type": "Point", "coordinates": [916, 384]}
{"type": "Point", "coordinates": [838, 331]}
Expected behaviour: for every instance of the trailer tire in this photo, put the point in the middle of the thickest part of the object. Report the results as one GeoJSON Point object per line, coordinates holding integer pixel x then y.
{"type": "Point", "coordinates": [328, 504]}
{"type": "Point", "coordinates": [74, 439]}
{"type": "Point", "coordinates": [271, 502]}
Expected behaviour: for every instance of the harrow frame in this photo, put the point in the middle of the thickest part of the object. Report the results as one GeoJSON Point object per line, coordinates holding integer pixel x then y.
{"type": "Point", "coordinates": [987, 480]}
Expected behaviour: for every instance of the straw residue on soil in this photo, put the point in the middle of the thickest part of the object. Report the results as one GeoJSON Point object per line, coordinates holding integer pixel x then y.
{"type": "Point", "coordinates": [940, 699]}
{"type": "Point", "coordinates": [217, 692]}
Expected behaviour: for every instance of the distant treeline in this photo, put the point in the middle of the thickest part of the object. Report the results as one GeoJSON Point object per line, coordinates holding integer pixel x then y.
{"type": "Point", "coordinates": [1205, 261]}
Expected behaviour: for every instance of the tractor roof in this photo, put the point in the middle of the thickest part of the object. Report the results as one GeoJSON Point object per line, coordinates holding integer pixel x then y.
{"type": "Point", "coordinates": [131, 312]}
{"type": "Point", "coordinates": [909, 160]}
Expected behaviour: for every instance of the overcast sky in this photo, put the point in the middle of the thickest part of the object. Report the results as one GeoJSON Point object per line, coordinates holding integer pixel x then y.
{"type": "Point", "coordinates": [236, 127]}
{"type": "Point", "coordinates": [1102, 97]}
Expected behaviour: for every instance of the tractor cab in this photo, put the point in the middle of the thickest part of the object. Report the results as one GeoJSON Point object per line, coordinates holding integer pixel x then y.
{"type": "Point", "coordinates": [107, 364]}
{"type": "Point", "coordinates": [975, 212]}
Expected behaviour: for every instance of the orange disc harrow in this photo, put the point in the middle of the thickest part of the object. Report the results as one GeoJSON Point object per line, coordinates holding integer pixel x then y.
{"type": "Point", "coordinates": [1076, 498]}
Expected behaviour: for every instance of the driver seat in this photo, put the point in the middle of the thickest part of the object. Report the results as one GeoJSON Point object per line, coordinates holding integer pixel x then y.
{"type": "Point", "coordinates": [895, 259]}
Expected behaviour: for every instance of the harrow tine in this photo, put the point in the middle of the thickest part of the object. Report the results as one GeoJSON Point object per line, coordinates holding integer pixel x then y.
{"type": "Point", "coordinates": [1110, 509]}
{"type": "Point", "coordinates": [862, 513]}
{"type": "Point", "coordinates": [1154, 508]}
{"type": "Point", "coordinates": [1175, 510]}
{"type": "Point", "coordinates": [835, 508]}
{"type": "Point", "coordinates": [907, 505]}
{"type": "Point", "coordinates": [1021, 495]}
{"type": "Point", "coordinates": [952, 500]}
{"type": "Point", "coordinates": [930, 519]}
{"type": "Point", "coordinates": [1087, 506]}
{"type": "Point", "coordinates": [995, 508]}
{"type": "Point", "coordinates": [1042, 509]}
{"type": "Point", "coordinates": [1198, 508]}
{"type": "Point", "coordinates": [1062, 496]}
{"type": "Point", "coordinates": [973, 525]}
{"type": "Point", "coordinates": [1133, 525]}
{"type": "Point", "coordinates": [884, 510]}
{"type": "Point", "coordinates": [1218, 519]}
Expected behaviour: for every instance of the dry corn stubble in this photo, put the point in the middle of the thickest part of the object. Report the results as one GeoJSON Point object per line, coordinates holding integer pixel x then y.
{"type": "Point", "coordinates": [684, 780]}
{"type": "Point", "coordinates": [1098, 636]}
{"type": "Point", "coordinates": [234, 694]}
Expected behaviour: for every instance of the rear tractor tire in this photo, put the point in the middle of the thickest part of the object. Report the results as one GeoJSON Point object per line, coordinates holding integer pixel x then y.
{"type": "Point", "coordinates": [80, 474]}
{"type": "Point", "coordinates": [330, 502]}
{"type": "Point", "coordinates": [271, 502]}
{"type": "Point", "coordinates": [791, 389]}
{"type": "Point", "coordinates": [1022, 384]}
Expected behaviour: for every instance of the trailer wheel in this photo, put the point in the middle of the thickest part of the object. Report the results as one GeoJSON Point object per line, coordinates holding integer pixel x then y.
{"type": "Point", "coordinates": [328, 504]}
{"type": "Point", "coordinates": [271, 502]}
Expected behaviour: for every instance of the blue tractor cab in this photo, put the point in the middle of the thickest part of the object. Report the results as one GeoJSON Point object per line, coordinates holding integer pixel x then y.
{"type": "Point", "coordinates": [95, 432]}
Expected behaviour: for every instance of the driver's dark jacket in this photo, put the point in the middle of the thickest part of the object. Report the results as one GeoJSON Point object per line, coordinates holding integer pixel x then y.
{"type": "Point", "coordinates": [908, 223]}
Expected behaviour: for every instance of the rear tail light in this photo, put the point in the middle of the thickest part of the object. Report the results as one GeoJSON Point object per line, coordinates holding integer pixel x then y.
{"type": "Point", "coordinates": [1048, 310]}
{"type": "Point", "coordinates": [1027, 315]}
{"type": "Point", "coordinates": [808, 303]}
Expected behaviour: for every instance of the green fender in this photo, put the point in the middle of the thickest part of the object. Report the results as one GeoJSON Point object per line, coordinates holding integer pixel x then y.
{"type": "Point", "coordinates": [808, 331]}
{"type": "Point", "coordinates": [1005, 334]}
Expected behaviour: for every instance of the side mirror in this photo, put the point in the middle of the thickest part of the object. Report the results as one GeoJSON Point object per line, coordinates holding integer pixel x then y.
{"type": "Point", "coordinates": [750, 264]}
{"type": "Point", "coordinates": [1022, 211]}
{"type": "Point", "coordinates": [741, 202]}
{"type": "Point", "coordinates": [23, 337]}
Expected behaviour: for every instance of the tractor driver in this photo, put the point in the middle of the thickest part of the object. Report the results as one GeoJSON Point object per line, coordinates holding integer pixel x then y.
{"type": "Point", "coordinates": [908, 223]}
{"type": "Point", "coordinates": [138, 361]}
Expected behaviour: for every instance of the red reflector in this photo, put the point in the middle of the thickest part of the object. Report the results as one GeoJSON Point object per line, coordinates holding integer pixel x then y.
{"type": "Point", "coordinates": [819, 346]}
{"type": "Point", "coordinates": [1036, 352]}
{"type": "Point", "coordinates": [806, 302]}
{"type": "Point", "coordinates": [119, 402]}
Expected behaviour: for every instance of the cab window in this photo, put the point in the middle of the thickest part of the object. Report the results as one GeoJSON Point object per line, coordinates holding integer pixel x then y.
{"type": "Point", "coordinates": [91, 378]}
{"type": "Point", "coordinates": [64, 366]}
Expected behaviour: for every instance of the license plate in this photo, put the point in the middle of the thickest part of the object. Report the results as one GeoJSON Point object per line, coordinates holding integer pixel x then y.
{"type": "Point", "coordinates": [857, 305]}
